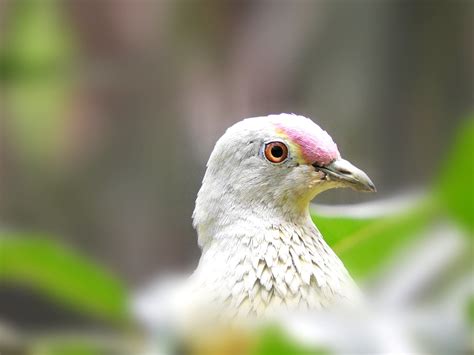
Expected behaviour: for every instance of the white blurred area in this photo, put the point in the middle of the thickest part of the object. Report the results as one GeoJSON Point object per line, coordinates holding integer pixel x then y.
{"type": "Point", "coordinates": [417, 303]}
{"type": "Point", "coordinates": [414, 306]}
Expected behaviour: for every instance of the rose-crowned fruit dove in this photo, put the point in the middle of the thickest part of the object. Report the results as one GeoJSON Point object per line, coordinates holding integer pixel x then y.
{"type": "Point", "coordinates": [261, 251]}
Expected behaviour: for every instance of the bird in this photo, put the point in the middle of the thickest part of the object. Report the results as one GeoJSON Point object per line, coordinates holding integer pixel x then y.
{"type": "Point", "coordinates": [261, 251]}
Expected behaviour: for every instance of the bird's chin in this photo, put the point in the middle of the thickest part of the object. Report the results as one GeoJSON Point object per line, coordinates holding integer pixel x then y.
{"type": "Point", "coordinates": [323, 185]}
{"type": "Point", "coordinates": [320, 184]}
{"type": "Point", "coordinates": [312, 183]}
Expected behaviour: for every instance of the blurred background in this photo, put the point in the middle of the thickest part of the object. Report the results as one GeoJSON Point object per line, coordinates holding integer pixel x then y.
{"type": "Point", "coordinates": [110, 109]}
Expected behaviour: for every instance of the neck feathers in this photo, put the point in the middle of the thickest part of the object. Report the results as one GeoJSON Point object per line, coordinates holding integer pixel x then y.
{"type": "Point", "coordinates": [282, 266]}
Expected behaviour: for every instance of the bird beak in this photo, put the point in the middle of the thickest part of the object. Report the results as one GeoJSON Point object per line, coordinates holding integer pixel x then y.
{"type": "Point", "coordinates": [342, 171]}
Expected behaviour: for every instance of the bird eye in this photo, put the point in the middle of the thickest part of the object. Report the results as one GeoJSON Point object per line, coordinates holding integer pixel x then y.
{"type": "Point", "coordinates": [276, 152]}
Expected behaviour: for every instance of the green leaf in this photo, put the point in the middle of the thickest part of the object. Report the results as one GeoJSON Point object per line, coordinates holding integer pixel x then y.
{"type": "Point", "coordinates": [455, 187]}
{"type": "Point", "coordinates": [42, 264]}
{"type": "Point", "coordinates": [91, 343]}
{"type": "Point", "coordinates": [66, 347]}
{"type": "Point", "coordinates": [273, 341]}
{"type": "Point", "coordinates": [364, 244]}
{"type": "Point", "coordinates": [470, 312]}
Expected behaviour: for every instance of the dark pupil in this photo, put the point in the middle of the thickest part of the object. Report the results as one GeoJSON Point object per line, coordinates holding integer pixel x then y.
{"type": "Point", "coordinates": [277, 151]}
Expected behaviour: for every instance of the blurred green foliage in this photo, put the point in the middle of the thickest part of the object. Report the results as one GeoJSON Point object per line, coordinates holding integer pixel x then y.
{"type": "Point", "coordinates": [455, 186]}
{"type": "Point", "coordinates": [34, 69]}
{"type": "Point", "coordinates": [470, 312]}
{"type": "Point", "coordinates": [85, 344]}
{"type": "Point", "coordinates": [40, 263]}
{"type": "Point", "coordinates": [66, 347]}
{"type": "Point", "coordinates": [363, 244]}
{"type": "Point", "coordinates": [273, 341]}
{"type": "Point", "coordinates": [37, 45]}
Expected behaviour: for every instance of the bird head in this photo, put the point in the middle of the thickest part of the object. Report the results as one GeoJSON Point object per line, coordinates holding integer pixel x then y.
{"type": "Point", "coordinates": [271, 166]}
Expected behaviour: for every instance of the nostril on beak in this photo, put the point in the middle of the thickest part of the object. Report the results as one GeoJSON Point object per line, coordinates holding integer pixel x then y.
{"type": "Point", "coordinates": [345, 172]}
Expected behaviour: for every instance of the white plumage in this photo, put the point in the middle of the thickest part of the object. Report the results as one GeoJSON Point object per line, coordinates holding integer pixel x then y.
{"type": "Point", "coordinates": [261, 252]}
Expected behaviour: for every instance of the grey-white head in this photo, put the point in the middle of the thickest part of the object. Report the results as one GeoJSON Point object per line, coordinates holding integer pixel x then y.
{"type": "Point", "coordinates": [268, 169]}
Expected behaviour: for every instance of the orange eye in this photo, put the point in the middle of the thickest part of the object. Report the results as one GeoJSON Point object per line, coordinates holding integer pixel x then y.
{"type": "Point", "coordinates": [276, 152]}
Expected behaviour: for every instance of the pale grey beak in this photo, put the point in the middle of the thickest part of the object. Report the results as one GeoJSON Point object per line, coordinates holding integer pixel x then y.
{"type": "Point", "coordinates": [341, 170]}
